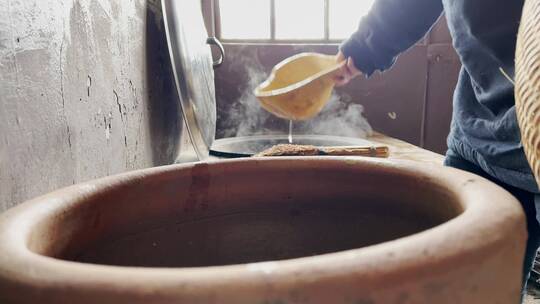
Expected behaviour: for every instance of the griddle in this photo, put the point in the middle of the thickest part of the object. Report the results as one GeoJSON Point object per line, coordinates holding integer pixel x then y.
{"type": "Point", "coordinates": [246, 146]}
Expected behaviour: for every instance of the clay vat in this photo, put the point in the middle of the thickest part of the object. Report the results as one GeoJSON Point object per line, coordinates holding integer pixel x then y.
{"type": "Point", "coordinates": [286, 230]}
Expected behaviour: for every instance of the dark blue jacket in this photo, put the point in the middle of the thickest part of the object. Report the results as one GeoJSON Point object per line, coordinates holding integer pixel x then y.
{"type": "Point", "coordinates": [484, 126]}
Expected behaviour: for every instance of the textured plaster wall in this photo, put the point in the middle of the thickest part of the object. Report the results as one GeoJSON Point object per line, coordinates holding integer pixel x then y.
{"type": "Point", "coordinates": [85, 91]}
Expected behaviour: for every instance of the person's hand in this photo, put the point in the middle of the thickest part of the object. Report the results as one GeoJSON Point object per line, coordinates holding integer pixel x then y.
{"type": "Point", "coordinates": [347, 72]}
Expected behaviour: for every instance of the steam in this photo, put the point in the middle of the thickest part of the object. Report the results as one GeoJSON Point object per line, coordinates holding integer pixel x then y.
{"type": "Point", "coordinates": [340, 117]}
{"type": "Point", "coordinates": [247, 112]}
{"type": "Point", "coordinates": [245, 116]}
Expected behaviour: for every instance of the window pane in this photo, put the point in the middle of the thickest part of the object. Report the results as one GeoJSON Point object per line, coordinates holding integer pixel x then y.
{"type": "Point", "coordinates": [245, 19]}
{"type": "Point", "coordinates": [344, 16]}
{"type": "Point", "coordinates": [299, 19]}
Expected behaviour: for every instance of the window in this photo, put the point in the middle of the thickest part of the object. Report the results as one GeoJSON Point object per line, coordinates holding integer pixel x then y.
{"type": "Point", "coordinates": [289, 20]}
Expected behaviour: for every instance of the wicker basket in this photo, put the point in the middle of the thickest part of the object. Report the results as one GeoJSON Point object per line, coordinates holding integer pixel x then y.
{"type": "Point", "coordinates": [528, 83]}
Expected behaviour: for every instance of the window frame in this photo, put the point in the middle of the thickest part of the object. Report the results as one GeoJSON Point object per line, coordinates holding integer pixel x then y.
{"type": "Point", "coordinates": [216, 28]}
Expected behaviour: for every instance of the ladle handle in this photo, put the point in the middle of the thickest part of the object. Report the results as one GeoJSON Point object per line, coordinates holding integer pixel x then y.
{"type": "Point", "coordinates": [373, 151]}
{"type": "Point", "coordinates": [216, 42]}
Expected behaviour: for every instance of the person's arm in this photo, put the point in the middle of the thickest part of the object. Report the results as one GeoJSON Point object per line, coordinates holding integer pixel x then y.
{"type": "Point", "coordinates": [391, 27]}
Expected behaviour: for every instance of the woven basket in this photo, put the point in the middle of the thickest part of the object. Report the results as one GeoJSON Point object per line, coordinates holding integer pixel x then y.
{"type": "Point", "coordinates": [528, 83]}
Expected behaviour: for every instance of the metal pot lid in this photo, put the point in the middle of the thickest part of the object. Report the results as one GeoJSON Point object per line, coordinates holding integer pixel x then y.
{"type": "Point", "coordinates": [191, 61]}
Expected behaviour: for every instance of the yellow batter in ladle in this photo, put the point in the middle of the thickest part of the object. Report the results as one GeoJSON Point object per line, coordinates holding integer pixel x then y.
{"type": "Point", "coordinates": [299, 87]}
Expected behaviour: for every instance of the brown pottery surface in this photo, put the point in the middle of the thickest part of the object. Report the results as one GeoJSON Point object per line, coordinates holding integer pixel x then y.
{"type": "Point", "coordinates": [269, 230]}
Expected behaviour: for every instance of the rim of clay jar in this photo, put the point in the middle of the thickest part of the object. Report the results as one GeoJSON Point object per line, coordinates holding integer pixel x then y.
{"type": "Point", "coordinates": [491, 216]}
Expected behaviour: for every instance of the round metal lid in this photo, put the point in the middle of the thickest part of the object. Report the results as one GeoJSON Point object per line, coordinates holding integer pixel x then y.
{"type": "Point", "coordinates": [191, 61]}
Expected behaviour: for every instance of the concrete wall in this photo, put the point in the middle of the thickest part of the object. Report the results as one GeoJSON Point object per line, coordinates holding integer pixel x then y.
{"type": "Point", "coordinates": [85, 91]}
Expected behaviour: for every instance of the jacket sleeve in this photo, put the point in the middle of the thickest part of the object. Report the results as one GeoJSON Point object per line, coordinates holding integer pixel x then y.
{"type": "Point", "coordinates": [391, 27]}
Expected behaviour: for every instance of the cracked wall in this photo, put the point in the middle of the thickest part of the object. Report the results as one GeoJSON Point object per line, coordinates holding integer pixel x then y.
{"type": "Point", "coordinates": [85, 91]}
